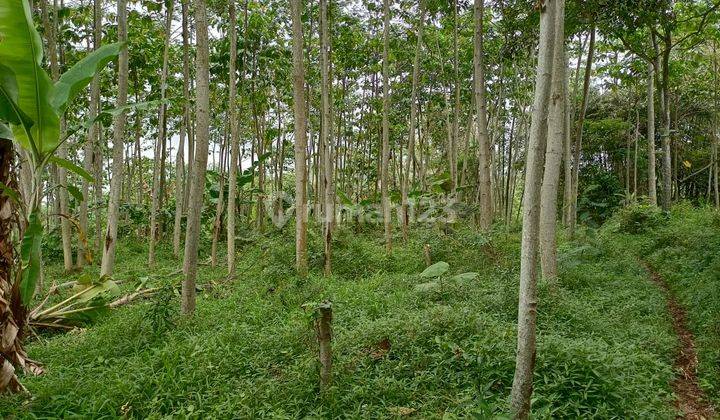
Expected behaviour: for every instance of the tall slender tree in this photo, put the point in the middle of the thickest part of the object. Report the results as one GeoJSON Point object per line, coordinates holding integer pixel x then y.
{"type": "Point", "coordinates": [535, 159]}
{"type": "Point", "coordinates": [158, 157]}
{"type": "Point", "coordinates": [652, 178]}
{"type": "Point", "coordinates": [481, 123]}
{"type": "Point", "coordinates": [181, 180]}
{"type": "Point", "coordinates": [234, 142]}
{"type": "Point", "coordinates": [554, 150]}
{"type": "Point", "coordinates": [85, 254]}
{"type": "Point", "coordinates": [113, 212]}
{"type": "Point", "coordinates": [577, 153]}
{"type": "Point", "coordinates": [385, 159]}
{"type": "Point", "coordinates": [410, 158]}
{"type": "Point", "coordinates": [197, 181]}
{"type": "Point", "coordinates": [301, 265]}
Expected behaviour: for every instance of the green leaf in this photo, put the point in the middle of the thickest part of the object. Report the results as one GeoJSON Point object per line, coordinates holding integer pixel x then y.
{"type": "Point", "coordinates": [6, 132]}
{"type": "Point", "coordinates": [138, 106]}
{"type": "Point", "coordinates": [71, 167]}
{"type": "Point", "coordinates": [427, 287]}
{"type": "Point", "coordinates": [9, 192]}
{"type": "Point", "coordinates": [344, 199]}
{"type": "Point", "coordinates": [464, 277]}
{"type": "Point", "coordinates": [10, 112]}
{"type": "Point", "coordinates": [435, 270]}
{"type": "Point", "coordinates": [106, 286]}
{"type": "Point", "coordinates": [30, 258]}
{"type": "Point", "coordinates": [73, 81]}
{"type": "Point", "coordinates": [21, 52]}
{"type": "Point", "coordinates": [75, 192]}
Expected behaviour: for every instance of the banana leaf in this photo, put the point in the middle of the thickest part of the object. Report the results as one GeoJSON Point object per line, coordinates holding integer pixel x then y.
{"type": "Point", "coordinates": [73, 81]}
{"type": "Point", "coordinates": [21, 53]}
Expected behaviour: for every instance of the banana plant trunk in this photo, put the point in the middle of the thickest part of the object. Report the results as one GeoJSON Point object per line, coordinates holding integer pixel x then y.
{"type": "Point", "coordinates": [12, 313]}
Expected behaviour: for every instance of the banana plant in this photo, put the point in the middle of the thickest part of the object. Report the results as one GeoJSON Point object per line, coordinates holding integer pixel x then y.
{"type": "Point", "coordinates": [31, 108]}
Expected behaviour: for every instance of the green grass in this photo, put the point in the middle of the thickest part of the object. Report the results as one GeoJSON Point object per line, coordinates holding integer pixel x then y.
{"type": "Point", "coordinates": [684, 248]}
{"type": "Point", "coordinates": [605, 343]}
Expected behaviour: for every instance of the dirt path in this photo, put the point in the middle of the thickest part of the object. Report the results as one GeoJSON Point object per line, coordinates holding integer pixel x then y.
{"type": "Point", "coordinates": [691, 401]}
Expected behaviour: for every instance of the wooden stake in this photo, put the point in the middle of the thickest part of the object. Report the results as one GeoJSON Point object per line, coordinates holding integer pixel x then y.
{"type": "Point", "coordinates": [324, 335]}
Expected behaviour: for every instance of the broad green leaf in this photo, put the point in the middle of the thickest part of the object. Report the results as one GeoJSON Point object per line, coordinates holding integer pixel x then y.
{"type": "Point", "coordinates": [96, 289]}
{"type": "Point", "coordinates": [84, 280]}
{"type": "Point", "coordinates": [30, 257]}
{"type": "Point", "coordinates": [10, 111]}
{"type": "Point", "coordinates": [344, 199]}
{"type": "Point", "coordinates": [73, 81]}
{"type": "Point", "coordinates": [71, 166]}
{"type": "Point", "coordinates": [464, 276]}
{"type": "Point", "coordinates": [427, 287]}
{"type": "Point", "coordinates": [21, 52]}
{"type": "Point", "coordinates": [75, 192]}
{"type": "Point", "coordinates": [5, 132]}
{"type": "Point", "coordinates": [435, 270]}
{"type": "Point", "coordinates": [9, 192]}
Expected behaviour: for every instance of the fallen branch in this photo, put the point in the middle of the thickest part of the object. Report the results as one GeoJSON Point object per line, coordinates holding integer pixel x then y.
{"type": "Point", "coordinates": [132, 296]}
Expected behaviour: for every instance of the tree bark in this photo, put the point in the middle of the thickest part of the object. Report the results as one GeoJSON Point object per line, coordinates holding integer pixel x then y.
{"type": "Point", "coordinates": [113, 212]}
{"type": "Point", "coordinates": [197, 181]}
{"type": "Point", "coordinates": [12, 315]}
{"type": "Point", "coordinates": [386, 129]}
{"type": "Point", "coordinates": [85, 254]}
{"type": "Point", "coordinates": [666, 119]}
{"type": "Point", "coordinates": [553, 151]}
{"type": "Point", "coordinates": [484, 181]}
{"type": "Point", "coordinates": [456, 109]}
{"type": "Point", "coordinates": [579, 134]}
{"type": "Point", "coordinates": [219, 206]}
{"type": "Point", "coordinates": [51, 31]}
{"type": "Point", "coordinates": [527, 305]}
{"type": "Point", "coordinates": [652, 178]}
{"type": "Point", "coordinates": [326, 135]}
{"type": "Point", "coordinates": [413, 122]}
{"type": "Point", "coordinates": [301, 265]}
{"type": "Point", "coordinates": [234, 143]}
{"type": "Point", "coordinates": [158, 156]}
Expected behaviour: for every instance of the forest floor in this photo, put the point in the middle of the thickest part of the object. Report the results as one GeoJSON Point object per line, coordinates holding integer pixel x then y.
{"type": "Point", "coordinates": [402, 345]}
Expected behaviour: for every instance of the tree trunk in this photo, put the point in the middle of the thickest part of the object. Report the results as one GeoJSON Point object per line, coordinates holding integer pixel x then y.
{"type": "Point", "coordinates": [666, 119]}
{"type": "Point", "coordinates": [158, 156]}
{"type": "Point", "coordinates": [12, 315]}
{"type": "Point", "coordinates": [715, 140]}
{"type": "Point", "coordinates": [61, 173]}
{"type": "Point", "coordinates": [85, 254]}
{"type": "Point", "coordinates": [301, 264]}
{"type": "Point", "coordinates": [553, 151]}
{"type": "Point", "coordinates": [527, 306]}
{"type": "Point", "coordinates": [484, 187]}
{"type": "Point", "coordinates": [456, 109]}
{"type": "Point", "coordinates": [579, 134]}
{"type": "Point", "coordinates": [197, 181]}
{"type": "Point", "coordinates": [181, 180]}
{"type": "Point", "coordinates": [113, 212]}
{"type": "Point", "coordinates": [652, 179]}
{"type": "Point", "coordinates": [413, 122]}
{"type": "Point", "coordinates": [386, 128]}
{"type": "Point", "coordinates": [326, 135]}
{"type": "Point", "coordinates": [217, 224]}
{"type": "Point", "coordinates": [234, 143]}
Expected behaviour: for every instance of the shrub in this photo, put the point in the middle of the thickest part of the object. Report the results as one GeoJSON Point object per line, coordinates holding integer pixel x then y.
{"type": "Point", "coordinates": [638, 218]}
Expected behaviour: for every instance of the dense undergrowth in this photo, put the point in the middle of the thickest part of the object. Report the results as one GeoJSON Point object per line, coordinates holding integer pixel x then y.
{"type": "Point", "coordinates": [684, 248]}
{"type": "Point", "coordinates": [605, 342]}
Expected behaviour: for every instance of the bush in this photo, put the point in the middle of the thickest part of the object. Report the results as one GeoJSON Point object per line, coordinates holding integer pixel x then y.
{"type": "Point", "coordinates": [638, 218]}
